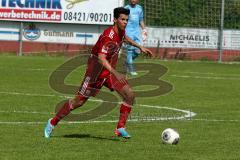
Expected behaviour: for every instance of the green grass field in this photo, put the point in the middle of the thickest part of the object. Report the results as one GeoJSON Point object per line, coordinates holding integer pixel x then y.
{"type": "Point", "coordinates": [209, 89]}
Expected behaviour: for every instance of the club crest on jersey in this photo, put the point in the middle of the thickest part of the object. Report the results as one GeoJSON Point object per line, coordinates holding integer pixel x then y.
{"type": "Point", "coordinates": [111, 34]}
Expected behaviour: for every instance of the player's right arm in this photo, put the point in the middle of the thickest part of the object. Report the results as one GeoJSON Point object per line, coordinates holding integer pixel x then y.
{"type": "Point", "coordinates": [105, 47]}
{"type": "Point", "coordinates": [107, 65]}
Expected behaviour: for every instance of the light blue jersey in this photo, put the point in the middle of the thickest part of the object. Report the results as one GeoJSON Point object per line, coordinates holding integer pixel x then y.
{"type": "Point", "coordinates": [133, 31]}
{"type": "Point", "coordinates": [135, 17]}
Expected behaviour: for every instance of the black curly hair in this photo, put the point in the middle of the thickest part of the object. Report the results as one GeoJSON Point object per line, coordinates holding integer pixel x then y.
{"type": "Point", "coordinates": [120, 10]}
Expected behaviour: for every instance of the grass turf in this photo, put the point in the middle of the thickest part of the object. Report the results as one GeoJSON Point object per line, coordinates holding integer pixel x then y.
{"type": "Point", "coordinates": [209, 89]}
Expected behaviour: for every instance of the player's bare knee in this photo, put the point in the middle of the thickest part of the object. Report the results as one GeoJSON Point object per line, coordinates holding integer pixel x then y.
{"type": "Point", "coordinates": [130, 97]}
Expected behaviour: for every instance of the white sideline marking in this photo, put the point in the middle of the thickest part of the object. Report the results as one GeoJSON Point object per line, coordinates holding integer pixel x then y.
{"type": "Point", "coordinates": [27, 112]}
{"type": "Point", "coordinates": [110, 121]}
{"type": "Point", "coordinates": [217, 120]}
{"type": "Point", "coordinates": [210, 73]}
{"type": "Point", "coordinates": [32, 94]}
{"type": "Point", "coordinates": [199, 77]}
{"type": "Point", "coordinates": [37, 69]}
{"type": "Point", "coordinates": [187, 115]}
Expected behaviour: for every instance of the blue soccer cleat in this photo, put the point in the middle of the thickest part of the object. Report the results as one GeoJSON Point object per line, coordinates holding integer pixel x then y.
{"type": "Point", "coordinates": [48, 129]}
{"type": "Point", "coordinates": [121, 132]}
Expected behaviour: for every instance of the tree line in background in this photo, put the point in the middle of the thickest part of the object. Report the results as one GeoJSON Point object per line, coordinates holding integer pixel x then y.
{"type": "Point", "coordinates": [191, 13]}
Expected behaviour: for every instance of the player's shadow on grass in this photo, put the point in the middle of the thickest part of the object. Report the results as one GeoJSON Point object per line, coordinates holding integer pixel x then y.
{"type": "Point", "coordinates": [91, 136]}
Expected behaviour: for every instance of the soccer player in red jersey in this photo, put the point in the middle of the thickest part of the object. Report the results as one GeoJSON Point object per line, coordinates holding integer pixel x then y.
{"type": "Point", "coordinates": [101, 72]}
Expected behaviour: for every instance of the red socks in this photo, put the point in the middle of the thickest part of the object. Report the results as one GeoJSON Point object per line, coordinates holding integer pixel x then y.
{"type": "Point", "coordinates": [64, 111]}
{"type": "Point", "coordinates": [125, 109]}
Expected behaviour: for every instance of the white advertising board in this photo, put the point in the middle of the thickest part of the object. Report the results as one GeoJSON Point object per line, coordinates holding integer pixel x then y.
{"type": "Point", "coordinates": [73, 34]}
{"type": "Point", "coordinates": [88, 34]}
{"type": "Point", "coordinates": [9, 31]}
{"type": "Point", "coordinates": [231, 39]}
{"type": "Point", "coordinates": [60, 11]}
{"type": "Point", "coordinates": [182, 38]}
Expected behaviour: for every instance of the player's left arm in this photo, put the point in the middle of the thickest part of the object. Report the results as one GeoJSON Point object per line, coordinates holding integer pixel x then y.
{"type": "Point", "coordinates": [144, 31]}
{"type": "Point", "coordinates": [142, 24]}
{"type": "Point", "coordinates": [143, 49]}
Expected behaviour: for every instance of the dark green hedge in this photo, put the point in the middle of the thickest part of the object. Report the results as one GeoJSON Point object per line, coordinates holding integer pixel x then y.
{"type": "Point", "coordinates": [191, 13]}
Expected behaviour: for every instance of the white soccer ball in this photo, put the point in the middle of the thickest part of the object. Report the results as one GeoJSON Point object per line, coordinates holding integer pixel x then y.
{"type": "Point", "coordinates": [170, 136]}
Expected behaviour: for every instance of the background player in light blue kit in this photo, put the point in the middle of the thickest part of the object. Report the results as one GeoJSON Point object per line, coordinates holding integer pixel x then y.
{"type": "Point", "coordinates": [136, 31]}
